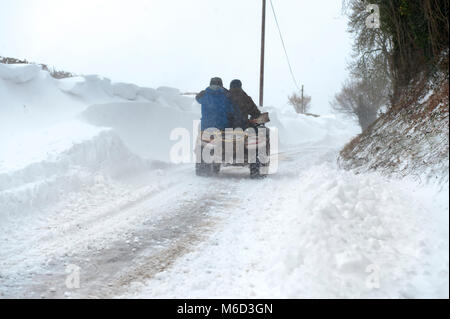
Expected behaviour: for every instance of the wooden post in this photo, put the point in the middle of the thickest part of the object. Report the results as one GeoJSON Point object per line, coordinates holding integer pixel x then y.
{"type": "Point", "coordinates": [263, 41]}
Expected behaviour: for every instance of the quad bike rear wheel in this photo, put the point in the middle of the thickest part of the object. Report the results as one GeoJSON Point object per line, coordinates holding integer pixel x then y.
{"type": "Point", "coordinates": [207, 170]}
{"type": "Point", "coordinates": [258, 170]}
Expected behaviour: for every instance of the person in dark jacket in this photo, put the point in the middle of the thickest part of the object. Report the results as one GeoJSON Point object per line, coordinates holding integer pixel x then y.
{"type": "Point", "coordinates": [243, 106]}
{"type": "Point", "coordinates": [216, 106]}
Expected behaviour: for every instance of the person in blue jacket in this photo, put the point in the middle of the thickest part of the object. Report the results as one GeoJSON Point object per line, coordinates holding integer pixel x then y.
{"type": "Point", "coordinates": [217, 110]}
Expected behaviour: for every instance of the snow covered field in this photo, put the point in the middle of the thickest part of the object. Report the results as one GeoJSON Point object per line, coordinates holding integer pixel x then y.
{"type": "Point", "coordinates": [86, 184]}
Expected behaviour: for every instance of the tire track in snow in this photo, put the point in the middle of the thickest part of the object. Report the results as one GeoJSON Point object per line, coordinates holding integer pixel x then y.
{"type": "Point", "coordinates": [106, 272]}
{"type": "Point", "coordinates": [168, 224]}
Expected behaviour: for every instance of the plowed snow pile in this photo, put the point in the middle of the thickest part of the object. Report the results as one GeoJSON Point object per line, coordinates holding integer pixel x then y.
{"type": "Point", "coordinates": [48, 148]}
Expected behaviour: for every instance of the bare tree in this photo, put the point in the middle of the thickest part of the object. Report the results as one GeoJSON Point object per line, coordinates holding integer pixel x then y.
{"type": "Point", "coordinates": [301, 105]}
{"type": "Point", "coordinates": [411, 38]}
{"type": "Point", "coordinates": [362, 99]}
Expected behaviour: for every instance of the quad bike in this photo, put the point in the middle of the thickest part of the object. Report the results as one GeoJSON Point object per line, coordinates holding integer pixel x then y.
{"type": "Point", "coordinates": [249, 148]}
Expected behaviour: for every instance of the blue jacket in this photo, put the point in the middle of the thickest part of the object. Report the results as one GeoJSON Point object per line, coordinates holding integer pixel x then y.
{"type": "Point", "coordinates": [216, 108]}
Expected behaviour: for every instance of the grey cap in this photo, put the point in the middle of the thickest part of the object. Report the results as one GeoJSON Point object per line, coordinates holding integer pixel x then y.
{"type": "Point", "coordinates": [216, 81]}
{"type": "Point", "coordinates": [235, 84]}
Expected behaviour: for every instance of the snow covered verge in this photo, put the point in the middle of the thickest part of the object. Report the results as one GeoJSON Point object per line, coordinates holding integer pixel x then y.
{"type": "Point", "coordinates": [412, 139]}
{"type": "Point", "coordinates": [365, 236]}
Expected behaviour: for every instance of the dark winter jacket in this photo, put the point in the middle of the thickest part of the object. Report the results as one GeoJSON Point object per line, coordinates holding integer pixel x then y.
{"type": "Point", "coordinates": [243, 106]}
{"type": "Point", "coordinates": [216, 108]}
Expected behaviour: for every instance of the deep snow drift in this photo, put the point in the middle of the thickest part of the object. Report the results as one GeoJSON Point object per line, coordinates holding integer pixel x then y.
{"type": "Point", "coordinates": [48, 146]}
{"type": "Point", "coordinates": [85, 180]}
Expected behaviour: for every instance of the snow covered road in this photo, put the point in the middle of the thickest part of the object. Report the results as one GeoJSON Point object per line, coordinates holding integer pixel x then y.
{"type": "Point", "coordinates": [311, 230]}
{"type": "Point", "coordinates": [317, 233]}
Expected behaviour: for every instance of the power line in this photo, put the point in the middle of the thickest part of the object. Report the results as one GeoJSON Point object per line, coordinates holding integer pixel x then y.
{"type": "Point", "coordinates": [284, 46]}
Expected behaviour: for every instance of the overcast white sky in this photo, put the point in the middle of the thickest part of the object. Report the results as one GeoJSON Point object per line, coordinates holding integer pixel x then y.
{"type": "Point", "coordinates": [183, 43]}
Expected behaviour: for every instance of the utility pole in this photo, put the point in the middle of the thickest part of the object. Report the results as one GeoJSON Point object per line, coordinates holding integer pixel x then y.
{"type": "Point", "coordinates": [263, 42]}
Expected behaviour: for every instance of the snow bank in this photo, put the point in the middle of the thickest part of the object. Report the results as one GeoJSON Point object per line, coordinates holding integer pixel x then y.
{"type": "Point", "coordinates": [144, 127]}
{"type": "Point", "coordinates": [46, 151]}
{"type": "Point", "coordinates": [91, 88]}
{"type": "Point", "coordinates": [72, 167]}
{"type": "Point", "coordinates": [296, 128]}
{"type": "Point", "coordinates": [173, 98]}
{"type": "Point", "coordinates": [19, 73]}
{"type": "Point", "coordinates": [27, 109]}
{"type": "Point", "coordinates": [359, 236]}
{"type": "Point", "coordinates": [149, 94]}
{"type": "Point", "coordinates": [43, 144]}
{"type": "Point", "coordinates": [32, 105]}
{"type": "Point", "coordinates": [125, 90]}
